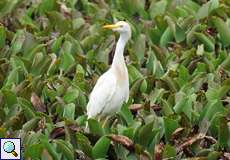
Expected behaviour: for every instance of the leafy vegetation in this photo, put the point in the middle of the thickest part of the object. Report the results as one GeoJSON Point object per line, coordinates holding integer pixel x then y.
{"type": "Point", "coordinates": [52, 52]}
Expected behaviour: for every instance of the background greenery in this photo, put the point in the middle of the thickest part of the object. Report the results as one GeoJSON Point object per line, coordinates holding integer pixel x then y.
{"type": "Point", "coordinates": [52, 52]}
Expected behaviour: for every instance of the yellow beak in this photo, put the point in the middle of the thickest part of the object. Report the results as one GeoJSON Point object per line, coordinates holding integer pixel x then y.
{"type": "Point", "coordinates": [111, 26]}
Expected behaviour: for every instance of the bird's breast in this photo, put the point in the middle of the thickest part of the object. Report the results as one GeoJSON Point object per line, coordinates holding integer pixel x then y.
{"type": "Point", "coordinates": [121, 74]}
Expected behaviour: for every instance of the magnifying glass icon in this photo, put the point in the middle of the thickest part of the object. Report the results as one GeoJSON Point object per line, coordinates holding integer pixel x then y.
{"type": "Point", "coordinates": [9, 147]}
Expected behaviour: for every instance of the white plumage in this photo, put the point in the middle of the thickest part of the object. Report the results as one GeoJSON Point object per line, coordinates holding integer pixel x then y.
{"type": "Point", "coordinates": [112, 88]}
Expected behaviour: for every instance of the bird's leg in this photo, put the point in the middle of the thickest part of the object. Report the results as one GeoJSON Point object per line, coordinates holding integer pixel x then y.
{"type": "Point", "coordinates": [100, 118]}
{"type": "Point", "coordinates": [109, 121]}
{"type": "Point", "coordinates": [105, 121]}
{"type": "Point", "coordinates": [115, 121]}
{"type": "Point", "coordinates": [61, 73]}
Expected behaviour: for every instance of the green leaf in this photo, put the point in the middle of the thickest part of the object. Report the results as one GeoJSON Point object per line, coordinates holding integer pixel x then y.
{"type": "Point", "coordinates": [46, 5]}
{"type": "Point", "coordinates": [146, 132]}
{"type": "Point", "coordinates": [223, 29]}
{"type": "Point", "coordinates": [134, 74]}
{"type": "Point", "coordinates": [190, 36]}
{"type": "Point", "coordinates": [213, 107]}
{"type": "Point", "coordinates": [10, 97]}
{"type": "Point", "coordinates": [207, 8]}
{"type": "Point", "coordinates": [166, 37]}
{"type": "Point", "coordinates": [183, 75]}
{"type": "Point", "coordinates": [81, 120]}
{"type": "Point", "coordinates": [16, 62]}
{"type": "Point", "coordinates": [217, 93]}
{"type": "Point", "coordinates": [169, 152]}
{"type": "Point", "coordinates": [27, 108]}
{"type": "Point", "coordinates": [128, 132]}
{"type": "Point", "coordinates": [50, 148]}
{"type": "Point", "coordinates": [56, 46]}
{"type": "Point", "coordinates": [64, 148]}
{"type": "Point", "coordinates": [139, 47]}
{"type": "Point", "coordinates": [170, 125]}
{"type": "Point", "coordinates": [153, 65]}
{"type": "Point", "coordinates": [223, 133]}
{"type": "Point", "coordinates": [100, 149]}
{"type": "Point", "coordinates": [225, 63]}
{"type": "Point", "coordinates": [213, 5]}
{"type": "Point", "coordinates": [185, 105]}
{"type": "Point", "coordinates": [144, 86]}
{"type": "Point", "coordinates": [157, 8]}
{"type": "Point", "coordinates": [208, 44]}
{"type": "Point", "coordinates": [8, 7]}
{"type": "Point", "coordinates": [84, 144]}
{"type": "Point", "coordinates": [95, 127]}
{"type": "Point", "coordinates": [31, 54]}
{"type": "Point", "coordinates": [69, 111]}
{"type": "Point", "coordinates": [34, 151]}
{"type": "Point", "coordinates": [66, 57]}
{"type": "Point", "coordinates": [12, 78]}
{"type": "Point", "coordinates": [31, 124]}
{"type": "Point", "coordinates": [214, 155]}
{"type": "Point", "coordinates": [76, 46]}
{"type": "Point", "coordinates": [193, 5]}
{"type": "Point", "coordinates": [17, 42]}
{"type": "Point", "coordinates": [78, 22]}
{"type": "Point", "coordinates": [155, 35]}
{"type": "Point", "coordinates": [178, 32]}
{"type": "Point", "coordinates": [2, 36]}
{"type": "Point", "coordinates": [126, 114]}
{"type": "Point", "coordinates": [71, 95]}
{"type": "Point", "coordinates": [156, 95]}
{"type": "Point", "coordinates": [166, 108]}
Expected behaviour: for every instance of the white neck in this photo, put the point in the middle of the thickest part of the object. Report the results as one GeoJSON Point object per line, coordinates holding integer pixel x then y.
{"type": "Point", "coordinates": [118, 58]}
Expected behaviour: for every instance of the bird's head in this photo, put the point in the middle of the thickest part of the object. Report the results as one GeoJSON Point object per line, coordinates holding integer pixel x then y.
{"type": "Point", "coordinates": [121, 27]}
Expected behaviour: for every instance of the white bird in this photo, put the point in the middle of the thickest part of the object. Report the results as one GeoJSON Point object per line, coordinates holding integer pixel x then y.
{"type": "Point", "coordinates": [112, 88]}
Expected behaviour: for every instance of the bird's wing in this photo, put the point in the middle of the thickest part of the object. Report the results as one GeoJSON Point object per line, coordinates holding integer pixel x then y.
{"type": "Point", "coordinates": [101, 94]}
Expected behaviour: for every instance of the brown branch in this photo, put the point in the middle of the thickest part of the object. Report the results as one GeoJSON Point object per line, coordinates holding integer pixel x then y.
{"type": "Point", "coordinates": [123, 140]}
{"type": "Point", "coordinates": [190, 141]}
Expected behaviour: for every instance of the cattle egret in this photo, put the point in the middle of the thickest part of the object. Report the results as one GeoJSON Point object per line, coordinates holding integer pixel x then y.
{"type": "Point", "coordinates": [112, 88]}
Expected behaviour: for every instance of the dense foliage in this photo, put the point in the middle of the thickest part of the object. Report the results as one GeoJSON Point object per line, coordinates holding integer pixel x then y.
{"type": "Point", "coordinates": [53, 51]}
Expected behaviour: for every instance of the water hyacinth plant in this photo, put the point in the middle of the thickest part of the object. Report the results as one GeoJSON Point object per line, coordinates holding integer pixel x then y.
{"type": "Point", "coordinates": [53, 51]}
